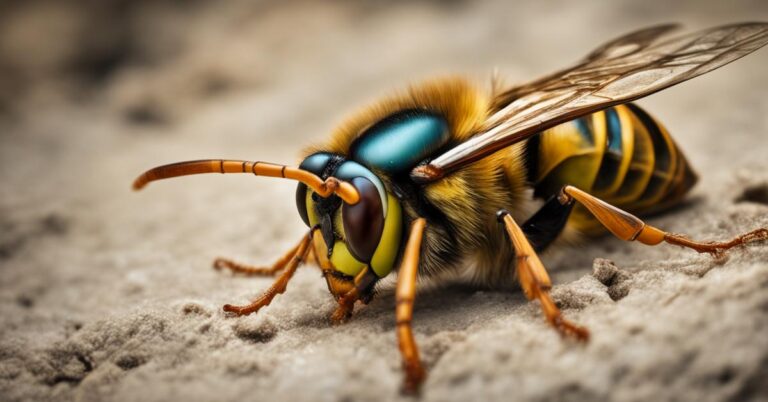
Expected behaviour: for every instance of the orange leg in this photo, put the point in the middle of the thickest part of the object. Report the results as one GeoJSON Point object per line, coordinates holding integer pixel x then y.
{"type": "Point", "coordinates": [280, 284]}
{"type": "Point", "coordinates": [248, 270]}
{"type": "Point", "coordinates": [628, 227]}
{"type": "Point", "coordinates": [363, 282]}
{"type": "Point", "coordinates": [346, 300]}
{"type": "Point", "coordinates": [346, 305]}
{"type": "Point", "coordinates": [405, 296]}
{"type": "Point", "coordinates": [535, 281]}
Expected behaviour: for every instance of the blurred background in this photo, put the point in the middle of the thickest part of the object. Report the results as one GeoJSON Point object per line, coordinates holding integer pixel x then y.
{"type": "Point", "coordinates": [94, 278]}
{"type": "Point", "coordinates": [141, 80]}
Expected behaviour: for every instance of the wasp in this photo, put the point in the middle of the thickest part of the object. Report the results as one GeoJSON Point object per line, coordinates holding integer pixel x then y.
{"type": "Point", "coordinates": [433, 179]}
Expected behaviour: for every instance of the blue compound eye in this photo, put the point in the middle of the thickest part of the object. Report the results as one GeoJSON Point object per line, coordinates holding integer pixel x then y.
{"type": "Point", "coordinates": [316, 164]}
{"type": "Point", "coordinates": [364, 221]}
{"type": "Point", "coordinates": [399, 142]}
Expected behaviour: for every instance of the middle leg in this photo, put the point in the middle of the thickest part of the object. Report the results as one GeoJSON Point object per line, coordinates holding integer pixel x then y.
{"type": "Point", "coordinates": [405, 295]}
{"type": "Point", "coordinates": [535, 281]}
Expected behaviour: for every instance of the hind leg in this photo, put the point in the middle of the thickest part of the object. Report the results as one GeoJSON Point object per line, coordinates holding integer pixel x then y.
{"type": "Point", "coordinates": [248, 270]}
{"type": "Point", "coordinates": [628, 227]}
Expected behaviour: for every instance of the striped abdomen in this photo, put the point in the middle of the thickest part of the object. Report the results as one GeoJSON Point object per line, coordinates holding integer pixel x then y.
{"type": "Point", "coordinates": [620, 154]}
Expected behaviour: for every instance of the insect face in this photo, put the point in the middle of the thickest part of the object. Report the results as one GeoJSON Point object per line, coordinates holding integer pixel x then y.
{"type": "Point", "coordinates": [357, 236]}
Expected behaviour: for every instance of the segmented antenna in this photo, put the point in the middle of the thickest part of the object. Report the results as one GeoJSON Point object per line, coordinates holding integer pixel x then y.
{"type": "Point", "coordinates": [324, 188]}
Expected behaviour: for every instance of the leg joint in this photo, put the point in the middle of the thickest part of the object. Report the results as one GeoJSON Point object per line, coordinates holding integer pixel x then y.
{"type": "Point", "coordinates": [403, 300]}
{"type": "Point", "coordinates": [563, 197]}
{"type": "Point", "coordinates": [501, 214]}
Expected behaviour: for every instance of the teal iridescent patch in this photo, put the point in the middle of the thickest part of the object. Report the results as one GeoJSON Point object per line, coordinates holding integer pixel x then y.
{"type": "Point", "coordinates": [399, 142]}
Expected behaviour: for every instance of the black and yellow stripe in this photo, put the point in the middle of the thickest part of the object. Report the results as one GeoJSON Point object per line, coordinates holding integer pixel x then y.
{"type": "Point", "coordinates": [621, 155]}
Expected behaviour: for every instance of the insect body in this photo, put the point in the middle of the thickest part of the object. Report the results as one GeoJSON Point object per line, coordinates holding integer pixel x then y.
{"type": "Point", "coordinates": [419, 182]}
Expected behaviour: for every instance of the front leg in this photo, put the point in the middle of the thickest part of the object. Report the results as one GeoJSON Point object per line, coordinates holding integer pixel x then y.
{"type": "Point", "coordinates": [535, 281]}
{"type": "Point", "coordinates": [362, 291]}
{"type": "Point", "coordinates": [405, 296]}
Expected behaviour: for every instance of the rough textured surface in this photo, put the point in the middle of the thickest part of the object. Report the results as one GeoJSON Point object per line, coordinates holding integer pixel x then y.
{"type": "Point", "coordinates": [108, 294]}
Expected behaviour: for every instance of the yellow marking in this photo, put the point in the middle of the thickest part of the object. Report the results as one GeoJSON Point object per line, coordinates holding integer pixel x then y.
{"type": "Point", "coordinates": [558, 144]}
{"type": "Point", "coordinates": [571, 159]}
{"type": "Point", "coordinates": [384, 257]}
{"type": "Point", "coordinates": [641, 162]}
{"type": "Point", "coordinates": [343, 260]}
{"type": "Point", "coordinates": [313, 220]}
{"type": "Point", "coordinates": [667, 176]}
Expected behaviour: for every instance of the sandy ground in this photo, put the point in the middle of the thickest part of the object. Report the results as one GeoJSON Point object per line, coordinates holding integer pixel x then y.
{"type": "Point", "coordinates": [107, 294]}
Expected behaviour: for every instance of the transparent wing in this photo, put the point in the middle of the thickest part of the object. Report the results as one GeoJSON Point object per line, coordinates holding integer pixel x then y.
{"type": "Point", "coordinates": [630, 67]}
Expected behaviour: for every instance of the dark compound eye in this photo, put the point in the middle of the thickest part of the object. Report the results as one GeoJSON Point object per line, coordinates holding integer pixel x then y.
{"type": "Point", "coordinates": [364, 221]}
{"type": "Point", "coordinates": [301, 202]}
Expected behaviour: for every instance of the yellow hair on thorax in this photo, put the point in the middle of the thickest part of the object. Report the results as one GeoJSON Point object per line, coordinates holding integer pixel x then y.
{"type": "Point", "coordinates": [463, 106]}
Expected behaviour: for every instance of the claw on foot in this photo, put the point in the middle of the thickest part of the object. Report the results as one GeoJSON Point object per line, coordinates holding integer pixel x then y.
{"type": "Point", "coordinates": [219, 264]}
{"type": "Point", "coordinates": [341, 315]}
{"type": "Point", "coordinates": [240, 310]}
{"type": "Point", "coordinates": [345, 308]}
{"type": "Point", "coordinates": [568, 329]}
{"type": "Point", "coordinates": [414, 377]}
{"type": "Point", "coordinates": [714, 248]}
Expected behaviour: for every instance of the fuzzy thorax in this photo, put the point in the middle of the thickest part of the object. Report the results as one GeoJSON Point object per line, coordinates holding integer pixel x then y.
{"type": "Point", "coordinates": [461, 207]}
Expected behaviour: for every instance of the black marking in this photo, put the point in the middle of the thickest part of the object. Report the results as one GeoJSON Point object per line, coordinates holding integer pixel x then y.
{"type": "Point", "coordinates": [365, 288]}
{"type": "Point", "coordinates": [340, 275]}
{"type": "Point", "coordinates": [301, 202]}
{"type": "Point", "coordinates": [326, 229]}
{"type": "Point", "coordinates": [282, 171]}
{"type": "Point", "coordinates": [221, 165]}
{"type": "Point", "coordinates": [397, 191]}
{"type": "Point", "coordinates": [547, 223]}
{"type": "Point", "coordinates": [609, 166]}
{"type": "Point", "coordinates": [636, 171]}
{"type": "Point", "coordinates": [253, 168]}
{"type": "Point", "coordinates": [243, 167]}
{"type": "Point", "coordinates": [332, 165]}
{"type": "Point", "coordinates": [532, 157]}
{"type": "Point", "coordinates": [662, 150]}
